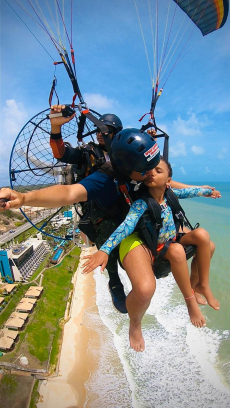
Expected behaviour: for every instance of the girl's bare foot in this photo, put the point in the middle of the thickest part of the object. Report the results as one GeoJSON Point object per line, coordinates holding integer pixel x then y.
{"type": "Point", "coordinates": [136, 339]}
{"type": "Point", "coordinates": [207, 293]}
{"type": "Point", "coordinates": [195, 314]}
{"type": "Point", "coordinates": [200, 300]}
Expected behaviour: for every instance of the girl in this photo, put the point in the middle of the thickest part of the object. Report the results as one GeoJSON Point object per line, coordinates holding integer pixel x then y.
{"type": "Point", "coordinates": [138, 260]}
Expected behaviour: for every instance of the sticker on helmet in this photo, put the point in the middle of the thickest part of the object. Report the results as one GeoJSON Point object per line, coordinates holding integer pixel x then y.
{"type": "Point", "coordinates": [152, 152]}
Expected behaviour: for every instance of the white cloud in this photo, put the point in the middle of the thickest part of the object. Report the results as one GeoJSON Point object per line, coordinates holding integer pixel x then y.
{"type": "Point", "coordinates": [178, 150]}
{"type": "Point", "coordinates": [222, 154]}
{"type": "Point", "coordinates": [206, 170]}
{"type": "Point", "coordinates": [190, 127]}
{"type": "Point", "coordinates": [14, 117]}
{"type": "Point", "coordinates": [100, 102]}
{"type": "Point", "coordinates": [182, 170]}
{"type": "Point", "coordinates": [197, 150]}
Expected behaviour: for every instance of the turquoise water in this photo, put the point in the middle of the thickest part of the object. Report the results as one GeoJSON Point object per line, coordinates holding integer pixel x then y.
{"type": "Point", "coordinates": [224, 201]}
{"type": "Point", "coordinates": [182, 366]}
{"type": "Point", "coordinates": [57, 254]}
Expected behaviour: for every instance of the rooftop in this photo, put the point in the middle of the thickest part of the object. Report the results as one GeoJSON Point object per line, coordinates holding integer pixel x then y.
{"type": "Point", "coordinates": [8, 287]}
{"type": "Point", "coordinates": [16, 320]}
{"type": "Point", "coordinates": [34, 291]}
{"type": "Point", "coordinates": [6, 343]}
{"type": "Point", "coordinates": [26, 304]}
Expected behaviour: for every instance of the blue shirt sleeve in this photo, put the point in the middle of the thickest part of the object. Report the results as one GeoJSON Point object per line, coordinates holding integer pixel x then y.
{"type": "Point", "coordinates": [192, 192]}
{"type": "Point", "coordinates": [127, 227]}
{"type": "Point", "coordinates": [100, 187]}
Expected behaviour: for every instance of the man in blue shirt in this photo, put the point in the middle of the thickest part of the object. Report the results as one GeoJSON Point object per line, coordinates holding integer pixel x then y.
{"type": "Point", "coordinates": [101, 208]}
{"type": "Point", "coordinates": [98, 186]}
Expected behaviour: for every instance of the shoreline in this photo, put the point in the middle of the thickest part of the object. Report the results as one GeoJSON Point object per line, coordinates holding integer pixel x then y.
{"type": "Point", "coordinates": [67, 389]}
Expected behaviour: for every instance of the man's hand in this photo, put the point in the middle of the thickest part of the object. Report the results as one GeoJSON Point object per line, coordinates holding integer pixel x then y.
{"type": "Point", "coordinates": [95, 260]}
{"type": "Point", "coordinates": [13, 199]}
{"type": "Point", "coordinates": [152, 132]}
{"type": "Point", "coordinates": [56, 123]}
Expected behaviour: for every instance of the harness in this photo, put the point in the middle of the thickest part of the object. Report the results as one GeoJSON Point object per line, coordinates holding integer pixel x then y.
{"type": "Point", "coordinates": [162, 268]}
{"type": "Point", "coordinates": [93, 158]}
{"type": "Point", "coordinates": [94, 214]}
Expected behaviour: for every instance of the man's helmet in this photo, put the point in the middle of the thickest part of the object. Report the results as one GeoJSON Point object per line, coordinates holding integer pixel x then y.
{"type": "Point", "coordinates": [112, 120]}
{"type": "Point", "coordinates": [133, 150]}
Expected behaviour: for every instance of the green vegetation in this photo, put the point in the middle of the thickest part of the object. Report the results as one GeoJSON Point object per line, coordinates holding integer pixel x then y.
{"type": "Point", "coordinates": [35, 395]}
{"type": "Point", "coordinates": [8, 384]}
{"type": "Point", "coordinates": [51, 308]}
{"type": "Point", "coordinates": [29, 233]}
{"type": "Point", "coordinates": [55, 347]}
{"type": "Point", "coordinates": [46, 262]}
{"type": "Point", "coordinates": [18, 224]}
{"type": "Point", "coordinates": [26, 234]}
{"type": "Point", "coordinates": [42, 333]}
{"type": "Point", "coordinates": [12, 301]}
{"type": "Point", "coordinates": [15, 390]}
{"type": "Point", "coordinates": [13, 214]}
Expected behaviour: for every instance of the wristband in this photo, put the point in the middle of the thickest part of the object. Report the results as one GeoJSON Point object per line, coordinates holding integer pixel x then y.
{"type": "Point", "coordinates": [55, 136]}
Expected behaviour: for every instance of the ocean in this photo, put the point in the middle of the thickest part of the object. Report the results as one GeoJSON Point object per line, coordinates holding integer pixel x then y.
{"type": "Point", "coordinates": [182, 366]}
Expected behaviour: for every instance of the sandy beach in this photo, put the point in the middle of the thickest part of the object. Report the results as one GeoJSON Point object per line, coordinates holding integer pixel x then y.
{"type": "Point", "coordinates": [66, 389]}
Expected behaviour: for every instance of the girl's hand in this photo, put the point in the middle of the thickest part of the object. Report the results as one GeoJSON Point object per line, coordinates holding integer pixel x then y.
{"type": "Point", "coordinates": [212, 188]}
{"type": "Point", "coordinates": [215, 194]}
{"type": "Point", "coordinates": [95, 260]}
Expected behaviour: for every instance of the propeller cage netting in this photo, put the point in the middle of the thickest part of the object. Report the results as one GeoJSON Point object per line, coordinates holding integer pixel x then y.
{"type": "Point", "coordinates": [32, 165]}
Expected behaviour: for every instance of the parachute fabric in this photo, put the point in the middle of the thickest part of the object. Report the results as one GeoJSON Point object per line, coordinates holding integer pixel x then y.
{"type": "Point", "coordinates": [208, 15]}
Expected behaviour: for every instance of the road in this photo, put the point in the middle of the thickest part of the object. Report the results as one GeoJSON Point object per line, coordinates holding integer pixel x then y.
{"type": "Point", "coordinates": [7, 236]}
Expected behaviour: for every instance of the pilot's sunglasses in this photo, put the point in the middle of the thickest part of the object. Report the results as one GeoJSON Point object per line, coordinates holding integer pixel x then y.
{"type": "Point", "coordinates": [99, 131]}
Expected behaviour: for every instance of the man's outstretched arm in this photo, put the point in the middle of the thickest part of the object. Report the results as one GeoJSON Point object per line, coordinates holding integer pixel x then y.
{"type": "Point", "coordinates": [50, 197]}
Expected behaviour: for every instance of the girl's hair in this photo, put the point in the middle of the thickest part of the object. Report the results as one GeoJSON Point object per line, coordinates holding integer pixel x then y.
{"type": "Point", "coordinates": [168, 165]}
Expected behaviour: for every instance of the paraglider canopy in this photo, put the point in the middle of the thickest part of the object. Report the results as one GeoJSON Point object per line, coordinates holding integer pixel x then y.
{"type": "Point", "coordinates": [208, 15]}
{"type": "Point", "coordinates": [171, 33]}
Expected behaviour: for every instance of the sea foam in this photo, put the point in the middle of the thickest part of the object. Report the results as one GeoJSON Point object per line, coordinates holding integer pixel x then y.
{"type": "Point", "coordinates": [178, 367]}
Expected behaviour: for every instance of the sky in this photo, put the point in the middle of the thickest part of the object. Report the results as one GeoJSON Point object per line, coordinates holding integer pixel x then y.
{"type": "Point", "coordinates": [113, 75]}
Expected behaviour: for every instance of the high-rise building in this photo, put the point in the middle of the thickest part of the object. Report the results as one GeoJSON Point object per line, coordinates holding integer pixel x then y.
{"type": "Point", "coordinates": [9, 270]}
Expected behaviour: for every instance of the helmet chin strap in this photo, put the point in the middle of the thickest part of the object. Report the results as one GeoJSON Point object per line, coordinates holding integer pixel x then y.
{"type": "Point", "coordinates": [103, 128]}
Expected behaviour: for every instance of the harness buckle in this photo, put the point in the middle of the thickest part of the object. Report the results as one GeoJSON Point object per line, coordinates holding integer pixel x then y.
{"type": "Point", "coordinates": [179, 215]}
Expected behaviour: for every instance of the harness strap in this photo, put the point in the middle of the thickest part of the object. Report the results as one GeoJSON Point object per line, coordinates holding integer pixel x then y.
{"type": "Point", "coordinates": [159, 257]}
{"type": "Point", "coordinates": [156, 222]}
{"type": "Point", "coordinates": [124, 190]}
{"type": "Point", "coordinates": [81, 124]}
{"type": "Point", "coordinates": [151, 244]}
{"type": "Point", "coordinates": [179, 216]}
{"type": "Point", "coordinates": [103, 128]}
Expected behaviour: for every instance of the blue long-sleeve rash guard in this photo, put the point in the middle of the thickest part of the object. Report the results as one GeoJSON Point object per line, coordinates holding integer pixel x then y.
{"type": "Point", "coordinates": [138, 208]}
